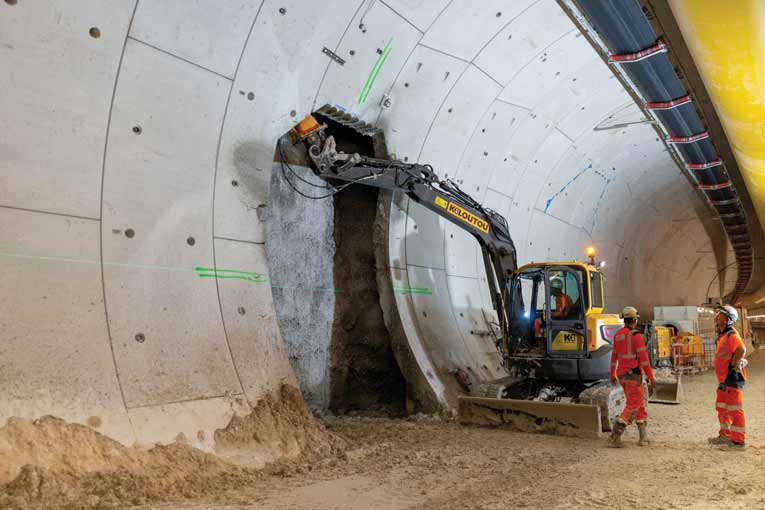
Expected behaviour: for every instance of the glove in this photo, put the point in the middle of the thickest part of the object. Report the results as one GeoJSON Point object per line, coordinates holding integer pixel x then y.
{"type": "Point", "coordinates": [742, 363]}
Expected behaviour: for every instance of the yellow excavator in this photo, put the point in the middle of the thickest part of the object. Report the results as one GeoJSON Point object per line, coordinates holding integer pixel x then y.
{"type": "Point", "coordinates": [553, 337]}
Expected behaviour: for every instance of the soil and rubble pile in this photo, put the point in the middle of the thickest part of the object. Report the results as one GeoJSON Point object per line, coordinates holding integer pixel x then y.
{"type": "Point", "coordinates": [51, 464]}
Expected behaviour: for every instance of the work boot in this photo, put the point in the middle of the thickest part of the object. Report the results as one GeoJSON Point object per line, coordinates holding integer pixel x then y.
{"type": "Point", "coordinates": [733, 445]}
{"type": "Point", "coordinates": [643, 441]}
{"type": "Point", "coordinates": [719, 440]}
{"type": "Point", "coordinates": [616, 435]}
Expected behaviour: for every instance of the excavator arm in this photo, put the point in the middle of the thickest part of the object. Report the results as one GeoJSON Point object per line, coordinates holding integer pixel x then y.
{"type": "Point", "coordinates": [421, 184]}
{"type": "Point", "coordinates": [338, 147]}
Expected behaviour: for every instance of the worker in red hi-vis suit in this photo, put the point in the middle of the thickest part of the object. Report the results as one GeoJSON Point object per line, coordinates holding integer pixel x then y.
{"type": "Point", "coordinates": [629, 361]}
{"type": "Point", "coordinates": [730, 368]}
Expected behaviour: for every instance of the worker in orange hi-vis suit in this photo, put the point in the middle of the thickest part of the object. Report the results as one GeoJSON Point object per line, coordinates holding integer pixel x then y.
{"type": "Point", "coordinates": [730, 368]}
{"type": "Point", "coordinates": [629, 361]}
{"type": "Point", "coordinates": [563, 302]}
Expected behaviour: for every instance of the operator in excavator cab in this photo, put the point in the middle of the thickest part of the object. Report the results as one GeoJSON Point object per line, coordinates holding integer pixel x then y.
{"type": "Point", "coordinates": [629, 362]}
{"type": "Point", "coordinates": [563, 302]}
{"type": "Point", "coordinates": [730, 368]}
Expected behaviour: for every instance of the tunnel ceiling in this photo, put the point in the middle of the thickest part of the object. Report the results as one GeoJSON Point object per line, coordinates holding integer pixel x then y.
{"type": "Point", "coordinates": [137, 172]}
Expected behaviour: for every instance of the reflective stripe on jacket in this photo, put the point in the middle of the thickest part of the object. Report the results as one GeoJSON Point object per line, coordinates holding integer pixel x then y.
{"type": "Point", "coordinates": [629, 354]}
{"type": "Point", "coordinates": [727, 344]}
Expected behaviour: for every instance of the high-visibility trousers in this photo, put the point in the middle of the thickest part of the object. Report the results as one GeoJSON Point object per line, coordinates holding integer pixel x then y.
{"type": "Point", "coordinates": [635, 407]}
{"type": "Point", "coordinates": [730, 413]}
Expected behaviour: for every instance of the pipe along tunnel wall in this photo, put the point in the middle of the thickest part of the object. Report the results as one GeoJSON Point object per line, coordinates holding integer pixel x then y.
{"type": "Point", "coordinates": [159, 276]}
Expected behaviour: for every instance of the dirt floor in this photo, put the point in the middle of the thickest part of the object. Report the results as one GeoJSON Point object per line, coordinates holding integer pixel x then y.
{"type": "Point", "coordinates": [425, 463]}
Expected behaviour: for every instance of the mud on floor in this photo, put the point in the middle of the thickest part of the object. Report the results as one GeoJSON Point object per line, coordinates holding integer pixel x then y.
{"type": "Point", "coordinates": [50, 464]}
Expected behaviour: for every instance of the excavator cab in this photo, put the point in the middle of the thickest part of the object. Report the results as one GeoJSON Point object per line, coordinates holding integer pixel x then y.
{"type": "Point", "coordinates": [557, 314]}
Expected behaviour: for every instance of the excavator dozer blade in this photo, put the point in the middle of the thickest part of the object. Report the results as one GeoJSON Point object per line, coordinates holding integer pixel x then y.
{"type": "Point", "coordinates": [578, 420]}
{"type": "Point", "coordinates": [668, 391]}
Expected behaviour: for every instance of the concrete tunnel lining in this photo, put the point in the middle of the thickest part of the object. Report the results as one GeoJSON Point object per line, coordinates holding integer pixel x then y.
{"type": "Point", "coordinates": [211, 90]}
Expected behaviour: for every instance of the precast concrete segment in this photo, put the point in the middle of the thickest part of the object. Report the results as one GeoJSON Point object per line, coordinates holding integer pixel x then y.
{"type": "Point", "coordinates": [57, 82]}
{"type": "Point", "coordinates": [54, 354]}
{"type": "Point", "coordinates": [157, 182]}
{"type": "Point", "coordinates": [275, 85]}
{"type": "Point", "coordinates": [188, 183]}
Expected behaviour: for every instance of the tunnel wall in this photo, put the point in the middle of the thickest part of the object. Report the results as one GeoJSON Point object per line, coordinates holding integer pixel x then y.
{"type": "Point", "coordinates": [135, 194]}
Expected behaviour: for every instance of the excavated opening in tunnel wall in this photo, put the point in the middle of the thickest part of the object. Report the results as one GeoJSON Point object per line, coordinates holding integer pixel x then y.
{"type": "Point", "coordinates": [322, 258]}
{"type": "Point", "coordinates": [364, 372]}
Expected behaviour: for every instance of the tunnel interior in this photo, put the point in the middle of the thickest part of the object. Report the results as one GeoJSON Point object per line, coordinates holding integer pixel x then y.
{"type": "Point", "coordinates": [171, 269]}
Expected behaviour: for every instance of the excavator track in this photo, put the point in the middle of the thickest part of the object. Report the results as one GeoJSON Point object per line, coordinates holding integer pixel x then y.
{"type": "Point", "coordinates": [609, 398]}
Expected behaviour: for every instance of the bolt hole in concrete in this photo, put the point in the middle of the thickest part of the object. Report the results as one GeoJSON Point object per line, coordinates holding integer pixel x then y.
{"type": "Point", "coordinates": [250, 96]}
{"type": "Point", "coordinates": [241, 310]}
{"type": "Point", "coordinates": [130, 233]}
{"type": "Point", "coordinates": [94, 32]}
{"type": "Point", "coordinates": [137, 130]}
{"type": "Point", "coordinates": [282, 11]}
{"type": "Point", "coordinates": [140, 338]}
{"type": "Point", "coordinates": [235, 183]}
{"type": "Point", "coordinates": [351, 53]}
{"type": "Point", "coordinates": [293, 113]}
{"type": "Point", "coordinates": [190, 241]}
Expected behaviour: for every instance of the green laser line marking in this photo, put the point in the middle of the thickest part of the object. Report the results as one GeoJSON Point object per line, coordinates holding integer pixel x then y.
{"type": "Point", "coordinates": [374, 72]}
{"type": "Point", "coordinates": [202, 272]}
{"type": "Point", "coordinates": [253, 279]}
{"type": "Point", "coordinates": [413, 290]}
{"type": "Point", "coordinates": [217, 270]}
{"type": "Point", "coordinates": [90, 261]}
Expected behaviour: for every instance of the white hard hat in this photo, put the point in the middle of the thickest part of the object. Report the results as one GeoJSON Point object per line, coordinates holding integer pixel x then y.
{"type": "Point", "coordinates": [729, 311]}
{"type": "Point", "coordinates": [630, 312]}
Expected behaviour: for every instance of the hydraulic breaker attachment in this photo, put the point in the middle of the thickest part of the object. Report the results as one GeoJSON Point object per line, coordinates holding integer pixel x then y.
{"type": "Point", "coordinates": [578, 420]}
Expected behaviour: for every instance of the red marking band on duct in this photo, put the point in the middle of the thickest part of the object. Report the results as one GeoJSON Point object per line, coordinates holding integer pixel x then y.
{"type": "Point", "coordinates": [712, 187]}
{"type": "Point", "coordinates": [689, 139]}
{"type": "Point", "coordinates": [626, 58]}
{"type": "Point", "coordinates": [703, 166]}
{"type": "Point", "coordinates": [668, 105]}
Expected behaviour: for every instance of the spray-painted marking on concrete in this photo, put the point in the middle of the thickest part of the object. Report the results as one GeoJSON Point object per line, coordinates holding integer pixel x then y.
{"type": "Point", "coordinates": [581, 172]}
{"type": "Point", "coordinates": [207, 272]}
{"type": "Point", "coordinates": [596, 207]}
{"type": "Point", "coordinates": [202, 272]}
{"type": "Point", "coordinates": [606, 181]}
{"type": "Point", "coordinates": [374, 72]}
{"type": "Point", "coordinates": [412, 290]}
